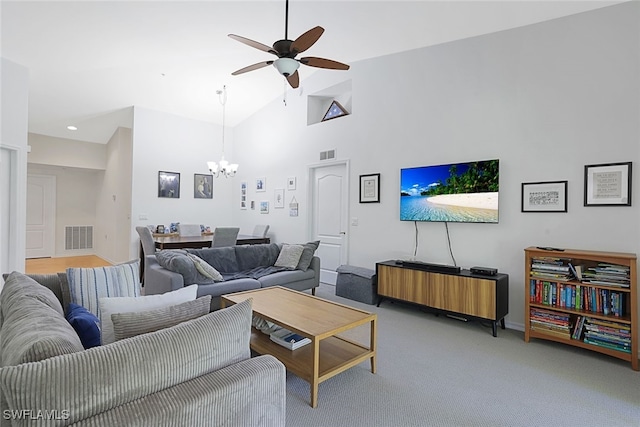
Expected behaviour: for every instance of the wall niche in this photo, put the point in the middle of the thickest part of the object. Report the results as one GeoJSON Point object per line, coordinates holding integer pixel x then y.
{"type": "Point", "coordinates": [319, 103]}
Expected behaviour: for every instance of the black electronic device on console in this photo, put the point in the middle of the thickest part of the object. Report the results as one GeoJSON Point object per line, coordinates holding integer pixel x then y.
{"type": "Point", "coordinates": [437, 268]}
{"type": "Point", "coordinates": [484, 271]}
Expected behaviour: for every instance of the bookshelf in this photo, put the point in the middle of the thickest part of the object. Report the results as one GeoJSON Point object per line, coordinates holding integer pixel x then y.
{"type": "Point", "coordinates": [598, 313]}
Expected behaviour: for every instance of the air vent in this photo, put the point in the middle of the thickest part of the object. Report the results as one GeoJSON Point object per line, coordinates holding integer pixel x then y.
{"type": "Point", "coordinates": [328, 155]}
{"type": "Point", "coordinates": [78, 237]}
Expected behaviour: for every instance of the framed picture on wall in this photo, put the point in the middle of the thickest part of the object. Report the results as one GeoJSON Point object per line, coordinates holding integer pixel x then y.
{"type": "Point", "coordinates": [261, 184]}
{"type": "Point", "coordinates": [278, 196]}
{"type": "Point", "coordinates": [544, 196]}
{"type": "Point", "coordinates": [291, 183]}
{"type": "Point", "coordinates": [202, 186]}
{"type": "Point", "coordinates": [243, 195]}
{"type": "Point", "coordinates": [264, 207]}
{"type": "Point", "coordinates": [607, 184]}
{"type": "Point", "coordinates": [169, 184]}
{"type": "Point", "coordinates": [370, 188]}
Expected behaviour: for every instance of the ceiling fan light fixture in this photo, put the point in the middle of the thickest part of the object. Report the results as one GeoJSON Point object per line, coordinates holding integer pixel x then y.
{"type": "Point", "coordinates": [286, 66]}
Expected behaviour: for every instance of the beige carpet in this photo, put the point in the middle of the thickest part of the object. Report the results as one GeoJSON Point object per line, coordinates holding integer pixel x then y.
{"type": "Point", "coordinates": [437, 371]}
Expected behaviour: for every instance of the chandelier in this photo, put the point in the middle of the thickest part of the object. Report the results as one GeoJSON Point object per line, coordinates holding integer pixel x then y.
{"type": "Point", "coordinates": [223, 167]}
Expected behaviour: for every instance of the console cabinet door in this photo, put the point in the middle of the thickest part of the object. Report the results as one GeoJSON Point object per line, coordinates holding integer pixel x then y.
{"type": "Point", "coordinates": [403, 284]}
{"type": "Point", "coordinates": [466, 295]}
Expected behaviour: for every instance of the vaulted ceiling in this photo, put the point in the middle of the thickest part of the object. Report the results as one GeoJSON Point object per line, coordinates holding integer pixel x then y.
{"type": "Point", "coordinates": [90, 60]}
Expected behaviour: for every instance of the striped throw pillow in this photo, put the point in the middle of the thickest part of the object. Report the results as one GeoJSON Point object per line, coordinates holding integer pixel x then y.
{"type": "Point", "coordinates": [87, 285]}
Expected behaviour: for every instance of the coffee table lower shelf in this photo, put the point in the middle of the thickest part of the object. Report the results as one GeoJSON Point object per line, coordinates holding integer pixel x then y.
{"type": "Point", "coordinates": [336, 354]}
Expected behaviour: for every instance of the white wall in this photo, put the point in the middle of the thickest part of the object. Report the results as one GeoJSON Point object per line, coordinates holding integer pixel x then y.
{"type": "Point", "coordinates": [165, 142]}
{"type": "Point", "coordinates": [49, 150]}
{"type": "Point", "coordinates": [14, 82]}
{"type": "Point", "coordinates": [113, 214]}
{"type": "Point", "coordinates": [545, 99]}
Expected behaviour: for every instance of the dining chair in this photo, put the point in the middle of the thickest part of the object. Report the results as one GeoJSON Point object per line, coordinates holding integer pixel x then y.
{"type": "Point", "coordinates": [261, 230]}
{"type": "Point", "coordinates": [189, 230]}
{"type": "Point", "coordinates": [225, 236]}
{"type": "Point", "coordinates": [146, 238]}
{"type": "Point", "coordinates": [148, 247]}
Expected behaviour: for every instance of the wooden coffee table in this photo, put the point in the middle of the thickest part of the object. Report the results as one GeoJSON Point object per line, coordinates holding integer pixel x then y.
{"type": "Point", "coordinates": [315, 318]}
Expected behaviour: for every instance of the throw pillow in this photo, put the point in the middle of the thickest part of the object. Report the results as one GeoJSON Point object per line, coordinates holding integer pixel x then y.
{"type": "Point", "coordinates": [126, 325]}
{"type": "Point", "coordinates": [205, 269]}
{"type": "Point", "coordinates": [88, 285]}
{"type": "Point", "coordinates": [307, 255]}
{"type": "Point", "coordinates": [178, 261]}
{"type": "Point", "coordinates": [108, 306]}
{"type": "Point", "coordinates": [86, 325]}
{"type": "Point", "coordinates": [289, 256]}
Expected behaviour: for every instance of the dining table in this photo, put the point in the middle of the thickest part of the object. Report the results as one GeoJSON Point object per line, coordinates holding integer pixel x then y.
{"type": "Point", "coordinates": [175, 241]}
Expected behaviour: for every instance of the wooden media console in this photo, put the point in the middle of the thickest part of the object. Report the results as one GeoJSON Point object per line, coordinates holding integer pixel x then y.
{"type": "Point", "coordinates": [461, 293]}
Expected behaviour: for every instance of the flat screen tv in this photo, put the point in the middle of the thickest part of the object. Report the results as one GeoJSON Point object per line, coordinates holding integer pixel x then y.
{"type": "Point", "coordinates": [456, 192]}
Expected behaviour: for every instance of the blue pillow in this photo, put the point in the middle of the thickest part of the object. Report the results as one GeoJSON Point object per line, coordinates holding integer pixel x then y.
{"type": "Point", "coordinates": [86, 325]}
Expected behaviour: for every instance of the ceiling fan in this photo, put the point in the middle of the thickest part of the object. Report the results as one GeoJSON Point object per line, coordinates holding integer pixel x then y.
{"type": "Point", "coordinates": [286, 50]}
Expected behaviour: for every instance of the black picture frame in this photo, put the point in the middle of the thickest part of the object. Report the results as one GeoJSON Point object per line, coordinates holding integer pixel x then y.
{"type": "Point", "coordinates": [370, 188]}
{"type": "Point", "coordinates": [546, 196]}
{"type": "Point", "coordinates": [202, 186]}
{"type": "Point", "coordinates": [169, 185]}
{"type": "Point", "coordinates": [607, 184]}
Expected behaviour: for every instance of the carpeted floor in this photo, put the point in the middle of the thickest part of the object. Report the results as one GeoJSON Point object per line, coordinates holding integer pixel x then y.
{"type": "Point", "coordinates": [437, 371]}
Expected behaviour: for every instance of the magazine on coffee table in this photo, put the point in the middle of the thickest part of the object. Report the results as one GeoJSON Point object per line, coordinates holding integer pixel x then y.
{"type": "Point", "coordinates": [289, 339]}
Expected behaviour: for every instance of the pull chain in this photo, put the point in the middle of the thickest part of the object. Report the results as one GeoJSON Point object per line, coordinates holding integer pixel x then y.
{"type": "Point", "coordinates": [284, 92]}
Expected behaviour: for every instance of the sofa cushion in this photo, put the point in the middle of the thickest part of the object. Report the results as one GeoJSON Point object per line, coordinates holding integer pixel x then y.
{"type": "Point", "coordinates": [86, 325]}
{"type": "Point", "coordinates": [179, 261]}
{"type": "Point", "coordinates": [52, 281]}
{"type": "Point", "coordinates": [222, 259]}
{"type": "Point", "coordinates": [23, 285]}
{"type": "Point", "coordinates": [125, 371]}
{"type": "Point", "coordinates": [127, 325]}
{"type": "Point", "coordinates": [109, 306]}
{"type": "Point", "coordinates": [289, 276]}
{"type": "Point", "coordinates": [33, 330]}
{"type": "Point", "coordinates": [289, 256]}
{"type": "Point", "coordinates": [206, 269]}
{"type": "Point", "coordinates": [252, 256]}
{"type": "Point", "coordinates": [307, 255]}
{"type": "Point", "coordinates": [87, 285]}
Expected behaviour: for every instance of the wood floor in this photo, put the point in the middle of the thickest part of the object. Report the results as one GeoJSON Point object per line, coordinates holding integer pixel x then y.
{"type": "Point", "coordinates": [59, 265]}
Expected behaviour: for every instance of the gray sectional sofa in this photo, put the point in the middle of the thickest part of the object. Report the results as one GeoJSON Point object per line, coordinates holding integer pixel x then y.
{"type": "Point", "coordinates": [243, 268]}
{"type": "Point", "coordinates": [197, 373]}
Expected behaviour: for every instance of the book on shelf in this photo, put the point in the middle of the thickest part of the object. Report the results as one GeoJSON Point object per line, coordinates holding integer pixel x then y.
{"type": "Point", "coordinates": [576, 270]}
{"type": "Point", "coordinates": [289, 339]}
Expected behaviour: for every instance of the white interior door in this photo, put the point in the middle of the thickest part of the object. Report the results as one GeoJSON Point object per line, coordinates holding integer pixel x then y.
{"type": "Point", "coordinates": [330, 199]}
{"type": "Point", "coordinates": [41, 216]}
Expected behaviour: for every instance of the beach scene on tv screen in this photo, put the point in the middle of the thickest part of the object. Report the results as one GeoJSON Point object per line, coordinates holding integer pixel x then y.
{"type": "Point", "coordinates": [460, 192]}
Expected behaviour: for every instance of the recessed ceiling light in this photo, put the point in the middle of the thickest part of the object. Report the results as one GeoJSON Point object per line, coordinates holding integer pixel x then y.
{"type": "Point", "coordinates": [70, 127]}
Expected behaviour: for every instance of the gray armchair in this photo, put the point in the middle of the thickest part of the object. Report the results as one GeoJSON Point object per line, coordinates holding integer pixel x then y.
{"type": "Point", "coordinates": [225, 236]}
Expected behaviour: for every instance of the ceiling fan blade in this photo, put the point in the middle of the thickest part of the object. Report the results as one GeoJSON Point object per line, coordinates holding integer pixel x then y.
{"type": "Point", "coordinates": [253, 43]}
{"type": "Point", "coordinates": [323, 63]}
{"type": "Point", "coordinates": [294, 80]}
{"type": "Point", "coordinates": [306, 40]}
{"type": "Point", "coordinates": [252, 67]}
